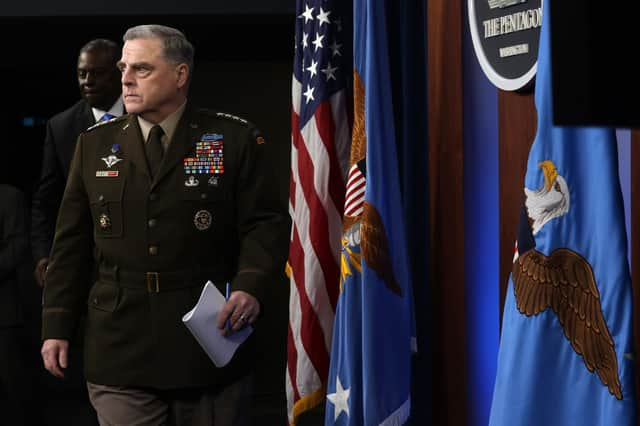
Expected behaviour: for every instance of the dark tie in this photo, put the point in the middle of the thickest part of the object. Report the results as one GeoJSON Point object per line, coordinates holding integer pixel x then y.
{"type": "Point", "coordinates": [153, 149]}
{"type": "Point", "coordinates": [107, 117]}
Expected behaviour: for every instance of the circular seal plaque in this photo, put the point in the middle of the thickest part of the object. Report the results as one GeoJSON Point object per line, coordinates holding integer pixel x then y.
{"type": "Point", "coordinates": [505, 36]}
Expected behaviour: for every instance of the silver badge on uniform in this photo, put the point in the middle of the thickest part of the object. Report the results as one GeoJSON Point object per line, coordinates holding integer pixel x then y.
{"type": "Point", "coordinates": [191, 182]}
{"type": "Point", "coordinates": [213, 181]}
{"type": "Point", "coordinates": [202, 220]}
{"type": "Point", "coordinates": [111, 160]}
{"type": "Point", "coordinates": [104, 221]}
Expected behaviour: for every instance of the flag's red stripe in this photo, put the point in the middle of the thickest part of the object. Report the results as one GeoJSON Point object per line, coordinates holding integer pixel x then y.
{"type": "Point", "coordinates": [354, 203]}
{"type": "Point", "coordinates": [355, 170]}
{"type": "Point", "coordinates": [327, 130]}
{"type": "Point", "coordinates": [318, 221]}
{"type": "Point", "coordinates": [311, 333]}
{"type": "Point", "coordinates": [354, 176]}
{"type": "Point", "coordinates": [353, 209]}
{"type": "Point", "coordinates": [292, 363]}
{"type": "Point", "coordinates": [354, 187]}
{"type": "Point", "coordinates": [292, 190]}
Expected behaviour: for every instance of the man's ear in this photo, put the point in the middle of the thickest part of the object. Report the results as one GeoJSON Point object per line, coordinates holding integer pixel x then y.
{"type": "Point", "coordinates": [182, 74]}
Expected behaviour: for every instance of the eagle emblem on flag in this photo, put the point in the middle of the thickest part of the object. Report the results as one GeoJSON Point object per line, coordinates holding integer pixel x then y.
{"type": "Point", "coordinates": [564, 281]}
{"type": "Point", "coordinates": [363, 225]}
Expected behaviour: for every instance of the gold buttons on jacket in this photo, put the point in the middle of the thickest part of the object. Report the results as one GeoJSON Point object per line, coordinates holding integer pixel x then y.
{"type": "Point", "coordinates": [153, 250]}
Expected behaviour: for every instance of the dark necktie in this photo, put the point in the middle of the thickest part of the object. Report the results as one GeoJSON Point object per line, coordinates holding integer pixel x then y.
{"type": "Point", "coordinates": [153, 149]}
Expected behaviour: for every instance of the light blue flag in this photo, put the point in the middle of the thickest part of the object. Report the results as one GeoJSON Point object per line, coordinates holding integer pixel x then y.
{"type": "Point", "coordinates": [566, 349]}
{"type": "Point", "coordinates": [369, 375]}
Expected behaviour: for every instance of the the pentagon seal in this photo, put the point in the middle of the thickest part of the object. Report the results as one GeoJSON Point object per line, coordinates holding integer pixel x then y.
{"type": "Point", "coordinates": [505, 35]}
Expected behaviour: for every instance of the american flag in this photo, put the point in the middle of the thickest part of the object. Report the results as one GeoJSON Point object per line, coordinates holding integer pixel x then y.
{"type": "Point", "coordinates": [321, 139]}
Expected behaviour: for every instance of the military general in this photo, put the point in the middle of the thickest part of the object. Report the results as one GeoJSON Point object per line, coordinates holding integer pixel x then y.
{"type": "Point", "coordinates": [168, 197]}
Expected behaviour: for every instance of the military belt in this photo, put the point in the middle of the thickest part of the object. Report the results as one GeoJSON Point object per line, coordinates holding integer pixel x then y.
{"type": "Point", "coordinates": [155, 282]}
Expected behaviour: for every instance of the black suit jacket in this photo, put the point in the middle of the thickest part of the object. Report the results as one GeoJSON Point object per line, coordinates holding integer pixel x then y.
{"type": "Point", "coordinates": [14, 250]}
{"type": "Point", "coordinates": [59, 144]}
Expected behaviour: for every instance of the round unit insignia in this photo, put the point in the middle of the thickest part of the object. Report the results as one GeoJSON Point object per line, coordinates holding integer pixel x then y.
{"type": "Point", "coordinates": [202, 220]}
{"type": "Point", "coordinates": [104, 221]}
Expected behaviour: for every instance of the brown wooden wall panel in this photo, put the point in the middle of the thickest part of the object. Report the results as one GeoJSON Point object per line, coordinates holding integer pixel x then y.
{"type": "Point", "coordinates": [444, 24]}
{"type": "Point", "coordinates": [516, 129]}
{"type": "Point", "coordinates": [635, 246]}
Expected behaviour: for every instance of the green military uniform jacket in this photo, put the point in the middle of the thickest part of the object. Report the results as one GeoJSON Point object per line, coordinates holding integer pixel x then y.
{"type": "Point", "coordinates": [210, 213]}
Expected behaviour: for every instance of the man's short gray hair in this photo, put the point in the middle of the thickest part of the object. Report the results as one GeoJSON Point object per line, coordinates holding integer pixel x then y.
{"type": "Point", "coordinates": [176, 47]}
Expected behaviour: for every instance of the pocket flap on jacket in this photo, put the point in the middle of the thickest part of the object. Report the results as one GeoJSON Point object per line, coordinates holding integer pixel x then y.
{"type": "Point", "coordinates": [104, 297]}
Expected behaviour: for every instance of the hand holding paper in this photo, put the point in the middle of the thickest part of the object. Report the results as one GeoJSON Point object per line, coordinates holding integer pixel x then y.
{"type": "Point", "coordinates": [202, 320]}
{"type": "Point", "coordinates": [241, 309]}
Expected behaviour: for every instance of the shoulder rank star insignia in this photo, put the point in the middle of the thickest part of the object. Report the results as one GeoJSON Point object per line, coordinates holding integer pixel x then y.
{"type": "Point", "coordinates": [192, 181]}
{"type": "Point", "coordinates": [232, 117]}
{"type": "Point", "coordinates": [111, 160]}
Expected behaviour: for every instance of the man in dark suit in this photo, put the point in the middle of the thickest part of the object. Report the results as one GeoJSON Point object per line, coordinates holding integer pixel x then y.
{"type": "Point", "coordinates": [16, 379]}
{"type": "Point", "coordinates": [99, 82]}
{"type": "Point", "coordinates": [170, 196]}
{"type": "Point", "coordinates": [100, 90]}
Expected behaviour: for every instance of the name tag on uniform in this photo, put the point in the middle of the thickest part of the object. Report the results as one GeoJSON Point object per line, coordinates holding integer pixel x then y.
{"type": "Point", "coordinates": [107, 173]}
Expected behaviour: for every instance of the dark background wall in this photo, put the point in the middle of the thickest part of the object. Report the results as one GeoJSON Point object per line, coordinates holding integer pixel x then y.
{"type": "Point", "coordinates": [244, 51]}
{"type": "Point", "coordinates": [142, 7]}
{"type": "Point", "coordinates": [481, 244]}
